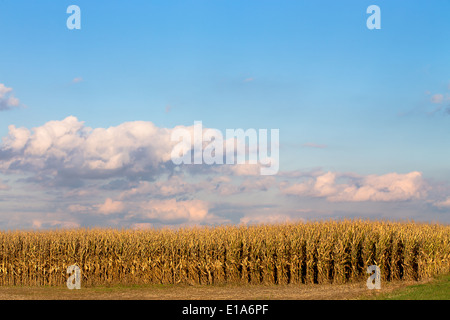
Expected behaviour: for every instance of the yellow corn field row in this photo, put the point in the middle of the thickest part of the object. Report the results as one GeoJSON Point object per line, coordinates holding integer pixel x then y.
{"type": "Point", "coordinates": [319, 252]}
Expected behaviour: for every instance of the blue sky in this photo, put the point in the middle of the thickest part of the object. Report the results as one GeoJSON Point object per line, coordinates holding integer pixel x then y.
{"type": "Point", "coordinates": [345, 98]}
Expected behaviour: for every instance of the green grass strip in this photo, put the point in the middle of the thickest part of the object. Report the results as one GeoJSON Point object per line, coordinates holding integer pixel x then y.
{"type": "Point", "coordinates": [437, 289]}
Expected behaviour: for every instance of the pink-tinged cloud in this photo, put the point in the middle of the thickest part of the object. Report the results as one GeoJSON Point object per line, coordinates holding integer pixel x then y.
{"type": "Point", "coordinates": [52, 223]}
{"type": "Point", "coordinates": [7, 98]}
{"type": "Point", "coordinates": [4, 186]}
{"type": "Point", "coordinates": [246, 169]}
{"type": "Point", "coordinates": [110, 207]}
{"type": "Point", "coordinates": [437, 98]}
{"type": "Point", "coordinates": [171, 209]}
{"type": "Point", "coordinates": [384, 188]}
{"type": "Point", "coordinates": [443, 204]}
{"type": "Point", "coordinates": [77, 80]}
{"type": "Point", "coordinates": [142, 226]}
{"type": "Point", "coordinates": [321, 186]}
{"type": "Point", "coordinates": [265, 219]}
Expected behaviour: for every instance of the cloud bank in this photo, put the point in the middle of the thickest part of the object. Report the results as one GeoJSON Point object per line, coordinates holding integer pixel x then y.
{"type": "Point", "coordinates": [68, 174]}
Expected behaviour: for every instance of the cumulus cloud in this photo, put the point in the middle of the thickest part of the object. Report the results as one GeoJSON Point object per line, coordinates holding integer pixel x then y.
{"type": "Point", "coordinates": [321, 186]}
{"type": "Point", "coordinates": [384, 188]}
{"type": "Point", "coordinates": [122, 173]}
{"type": "Point", "coordinates": [7, 98]}
{"type": "Point", "coordinates": [69, 150]}
{"type": "Point", "coordinates": [66, 152]}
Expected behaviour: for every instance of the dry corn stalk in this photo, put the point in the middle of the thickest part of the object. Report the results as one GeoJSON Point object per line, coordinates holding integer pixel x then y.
{"type": "Point", "coordinates": [319, 252]}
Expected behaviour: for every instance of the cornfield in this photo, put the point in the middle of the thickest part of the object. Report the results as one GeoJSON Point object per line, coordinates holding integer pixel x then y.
{"type": "Point", "coordinates": [315, 252]}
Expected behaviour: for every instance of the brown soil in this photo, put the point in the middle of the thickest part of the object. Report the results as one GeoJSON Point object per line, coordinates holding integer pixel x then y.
{"type": "Point", "coordinates": [185, 292]}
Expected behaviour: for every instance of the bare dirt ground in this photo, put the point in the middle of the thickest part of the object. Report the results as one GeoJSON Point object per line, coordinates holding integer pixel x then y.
{"type": "Point", "coordinates": [185, 292]}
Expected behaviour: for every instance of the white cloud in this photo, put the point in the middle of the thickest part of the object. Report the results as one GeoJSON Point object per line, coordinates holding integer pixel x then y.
{"type": "Point", "coordinates": [68, 147]}
{"type": "Point", "coordinates": [70, 151]}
